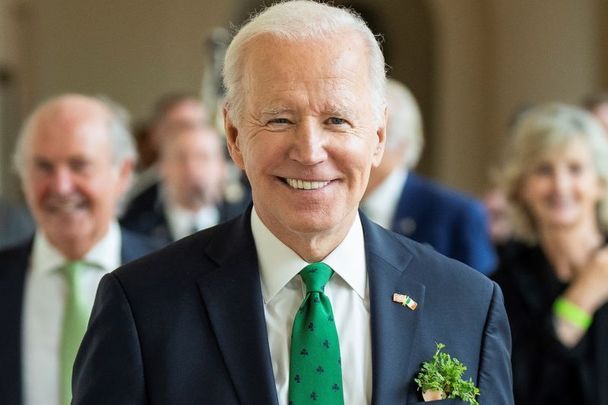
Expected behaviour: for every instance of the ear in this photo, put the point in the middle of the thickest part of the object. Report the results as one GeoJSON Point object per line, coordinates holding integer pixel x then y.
{"type": "Point", "coordinates": [381, 140]}
{"type": "Point", "coordinates": [232, 140]}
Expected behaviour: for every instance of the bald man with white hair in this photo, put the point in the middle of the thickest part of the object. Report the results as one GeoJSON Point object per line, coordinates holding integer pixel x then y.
{"type": "Point", "coordinates": [397, 198]}
{"type": "Point", "coordinates": [74, 156]}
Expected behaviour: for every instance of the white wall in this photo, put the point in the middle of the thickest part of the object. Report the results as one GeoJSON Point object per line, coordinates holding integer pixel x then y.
{"type": "Point", "coordinates": [495, 55]}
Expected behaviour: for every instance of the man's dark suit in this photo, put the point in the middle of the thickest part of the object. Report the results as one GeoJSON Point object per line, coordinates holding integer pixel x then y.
{"type": "Point", "coordinates": [146, 214]}
{"type": "Point", "coordinates": [186, 324]}
{"type": "Point", "coordinates": [453, 224]}
{"type": "Point", "coordinates": [14, 262]}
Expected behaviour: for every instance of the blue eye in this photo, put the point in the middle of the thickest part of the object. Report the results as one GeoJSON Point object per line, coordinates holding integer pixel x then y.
{"type": "Point", "coordinates": [281, 121]}
{"type": "Point", "coordinates": [336, 121]}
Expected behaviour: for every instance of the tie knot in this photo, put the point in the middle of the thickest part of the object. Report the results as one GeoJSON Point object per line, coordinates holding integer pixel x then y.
{"type": "Point", "coordinates": [315, 276]}
{"type": "Point", "coordinates": [70, 270]}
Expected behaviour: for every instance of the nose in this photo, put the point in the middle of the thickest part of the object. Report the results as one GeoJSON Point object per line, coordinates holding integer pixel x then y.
{"type": "Point", "coordinates": [561, 180]}
{"type": "Point", "coordinates": [61, 181]}
{"type": "Point", "coordinates": [309, 144]}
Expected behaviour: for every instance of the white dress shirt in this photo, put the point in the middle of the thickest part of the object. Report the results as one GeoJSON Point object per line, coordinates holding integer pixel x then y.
{"type": "Point", "coordinates": [381, 204]}
{"type": "Point", "coordinates": [44, 303]}
{"type": "Point", "coordinates": [184, 222]}
{"type": "Point", "coordinates": [283, 292]}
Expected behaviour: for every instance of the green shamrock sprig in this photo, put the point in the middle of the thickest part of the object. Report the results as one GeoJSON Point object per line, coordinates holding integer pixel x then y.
{"type": "Point", "coordinates": [444, 374]}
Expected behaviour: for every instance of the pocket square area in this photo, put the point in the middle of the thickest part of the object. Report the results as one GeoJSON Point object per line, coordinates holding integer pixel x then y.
{"type": "Point", "coordinates": [441, 378]}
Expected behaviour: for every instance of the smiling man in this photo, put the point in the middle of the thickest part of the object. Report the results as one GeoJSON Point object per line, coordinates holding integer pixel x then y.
{"type": "Point", "coordinates": [301, 299]}
{"type": "Point", "coordinates": [74, 156]}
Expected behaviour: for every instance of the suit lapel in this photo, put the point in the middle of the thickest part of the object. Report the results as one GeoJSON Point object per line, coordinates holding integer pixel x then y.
{"type": "Point", "coordinates": [233, 299]}
{"type": "Point", "coordinates": [12, 280]}
{"type": "Point", "coordinates": [393, 325]}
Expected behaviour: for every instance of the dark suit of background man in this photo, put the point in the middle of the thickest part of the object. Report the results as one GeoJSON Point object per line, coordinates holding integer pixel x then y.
{"type": "Point", "coordinates": [190, 196]}
{"type": "Point", "coordinates": [454, 224]}
{"type": "Point", "coordinates": [209, 318]}
{"type": "Point", "coordinates": [75, 157]}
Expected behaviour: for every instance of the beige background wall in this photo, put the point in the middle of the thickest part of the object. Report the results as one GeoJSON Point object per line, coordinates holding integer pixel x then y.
{"type": "Point", "coordinates": [471, 63]}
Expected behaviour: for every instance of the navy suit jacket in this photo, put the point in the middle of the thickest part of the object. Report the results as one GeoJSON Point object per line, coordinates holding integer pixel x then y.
{"type": "Point", "coordinates": [145, 214]}
{"type": "Point", "coordinates": [452, 223]}
{"type": "Point", "coordinates": [14, 262]}
{"type": "Point", "coordinates": [186, 324]}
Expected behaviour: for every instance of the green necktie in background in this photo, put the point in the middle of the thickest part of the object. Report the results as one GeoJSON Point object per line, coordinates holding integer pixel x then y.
{"type": "Point", "coordinates": [76, 317]}
{"type": "Point", "coordinates": [315, 373]}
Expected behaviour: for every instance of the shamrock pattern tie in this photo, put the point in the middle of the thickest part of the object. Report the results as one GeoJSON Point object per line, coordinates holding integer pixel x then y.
{"type": "Point", "coordinates": [315, 373]}
{"type": "Point", "coordinates": [76, 317]}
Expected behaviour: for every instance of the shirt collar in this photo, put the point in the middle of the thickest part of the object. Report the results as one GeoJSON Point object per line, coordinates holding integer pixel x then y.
{"type": "Point", "coordinates": [182, 222]}
{"type": "Point", "coordinates": [279, 264]}
{"type": "Point", "coordinates": [105, 254]}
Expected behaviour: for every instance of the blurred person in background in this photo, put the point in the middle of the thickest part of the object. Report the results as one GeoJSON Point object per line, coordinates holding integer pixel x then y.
{"type": "Point", "coordinates": [399, 199]}
{"type": "Point", "coordinates": [555, 274]}
{"type": "Point", "coordinates": [74, 156]}
{"type": "Point", "coordinates": [190, 195]}
{"type": "Point", "coordinates": [170, 111]}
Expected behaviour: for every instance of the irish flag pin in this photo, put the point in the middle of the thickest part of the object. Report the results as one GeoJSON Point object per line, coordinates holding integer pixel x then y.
{"type": "Point", "coordinates": [405, 300]}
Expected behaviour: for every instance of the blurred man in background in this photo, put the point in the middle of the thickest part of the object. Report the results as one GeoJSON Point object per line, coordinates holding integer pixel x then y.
{"type": "Point", "coordinates": [170, 111]}
{"type": "Point", "coordinates": [75, 157]}
{"type": "Point", "coordinates": [190, 196]}
{"type": "Point", "coordinates": [400, 200]}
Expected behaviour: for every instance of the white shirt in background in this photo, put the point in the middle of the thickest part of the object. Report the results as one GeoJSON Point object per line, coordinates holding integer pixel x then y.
{"type": "Point", "coordinates": [44, 304]}
{"type": "Point", "coordinates": [283, 292]}
{"type": "Point", "coordinates": [381, 204]}
{"type": "Point", "coordinates": [185, 222]}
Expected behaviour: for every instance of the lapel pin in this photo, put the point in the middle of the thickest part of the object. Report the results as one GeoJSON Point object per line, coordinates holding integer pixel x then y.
{"type": "Point", "coordinates": [405, 300]}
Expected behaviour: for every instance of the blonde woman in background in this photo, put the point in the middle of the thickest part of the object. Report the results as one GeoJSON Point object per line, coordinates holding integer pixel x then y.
{"type": "Point", "coordinates": [555, 275]}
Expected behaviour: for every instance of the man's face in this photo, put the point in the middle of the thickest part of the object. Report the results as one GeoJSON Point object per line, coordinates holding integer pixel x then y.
{"type": "Point", "coordinates": [189, 112]}
{"type": "Point", "coordinates": [69, 179]}
{"type": "Point", "coordinates": [192, 166]}
{"type": "Point", "coordinates": [307, 138]}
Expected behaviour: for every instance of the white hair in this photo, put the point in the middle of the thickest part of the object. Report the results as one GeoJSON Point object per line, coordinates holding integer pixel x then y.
{"type": "Point", "coordinates": [121, 140]}
{"type": "Point", "coordinates": [301, 20]}
{"type": "Point", "coordinates": [404, 127]}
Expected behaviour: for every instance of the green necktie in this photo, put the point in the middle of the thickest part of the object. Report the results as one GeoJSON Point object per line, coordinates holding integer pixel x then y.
{"type": "Point", "coordinates": [315, 373]}
{"type": "Point", "coordinates": [76, 317]}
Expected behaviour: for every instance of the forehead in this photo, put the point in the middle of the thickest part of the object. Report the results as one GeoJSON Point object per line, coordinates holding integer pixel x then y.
{"type": "Point", "coordinates": [334, 67]}
{"type": "Point", "coordinates": [70, 129]}
{"type": "Point", "coordinates": [193, 139]}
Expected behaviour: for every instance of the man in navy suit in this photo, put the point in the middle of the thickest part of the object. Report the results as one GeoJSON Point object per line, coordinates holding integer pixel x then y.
{"type": "Point", "coordinates": [74, 157]}
{"type": "Point", "coordinates": [209, 318]}
{"type": "Point", "coordinates": [453, 223]}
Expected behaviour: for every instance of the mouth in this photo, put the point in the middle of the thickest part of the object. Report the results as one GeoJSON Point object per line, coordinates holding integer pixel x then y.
{"type": "Point", "coordinates": [298, 184]}
{"type": "Point", "coordinates": [65, 205]}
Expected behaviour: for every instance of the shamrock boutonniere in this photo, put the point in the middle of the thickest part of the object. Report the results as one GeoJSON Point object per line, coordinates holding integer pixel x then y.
{"type": "Point", "coordinates": [441, 378]}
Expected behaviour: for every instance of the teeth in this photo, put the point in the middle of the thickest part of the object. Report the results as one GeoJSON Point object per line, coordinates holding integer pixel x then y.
{"type": "Point", "coordinates": [306, 185]}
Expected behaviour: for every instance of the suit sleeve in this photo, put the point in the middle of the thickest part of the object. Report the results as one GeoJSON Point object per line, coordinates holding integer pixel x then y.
{"type": "Point", "coordinates": [495, 375]}
{"type": "Point", "coordinates": [109, 367]}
